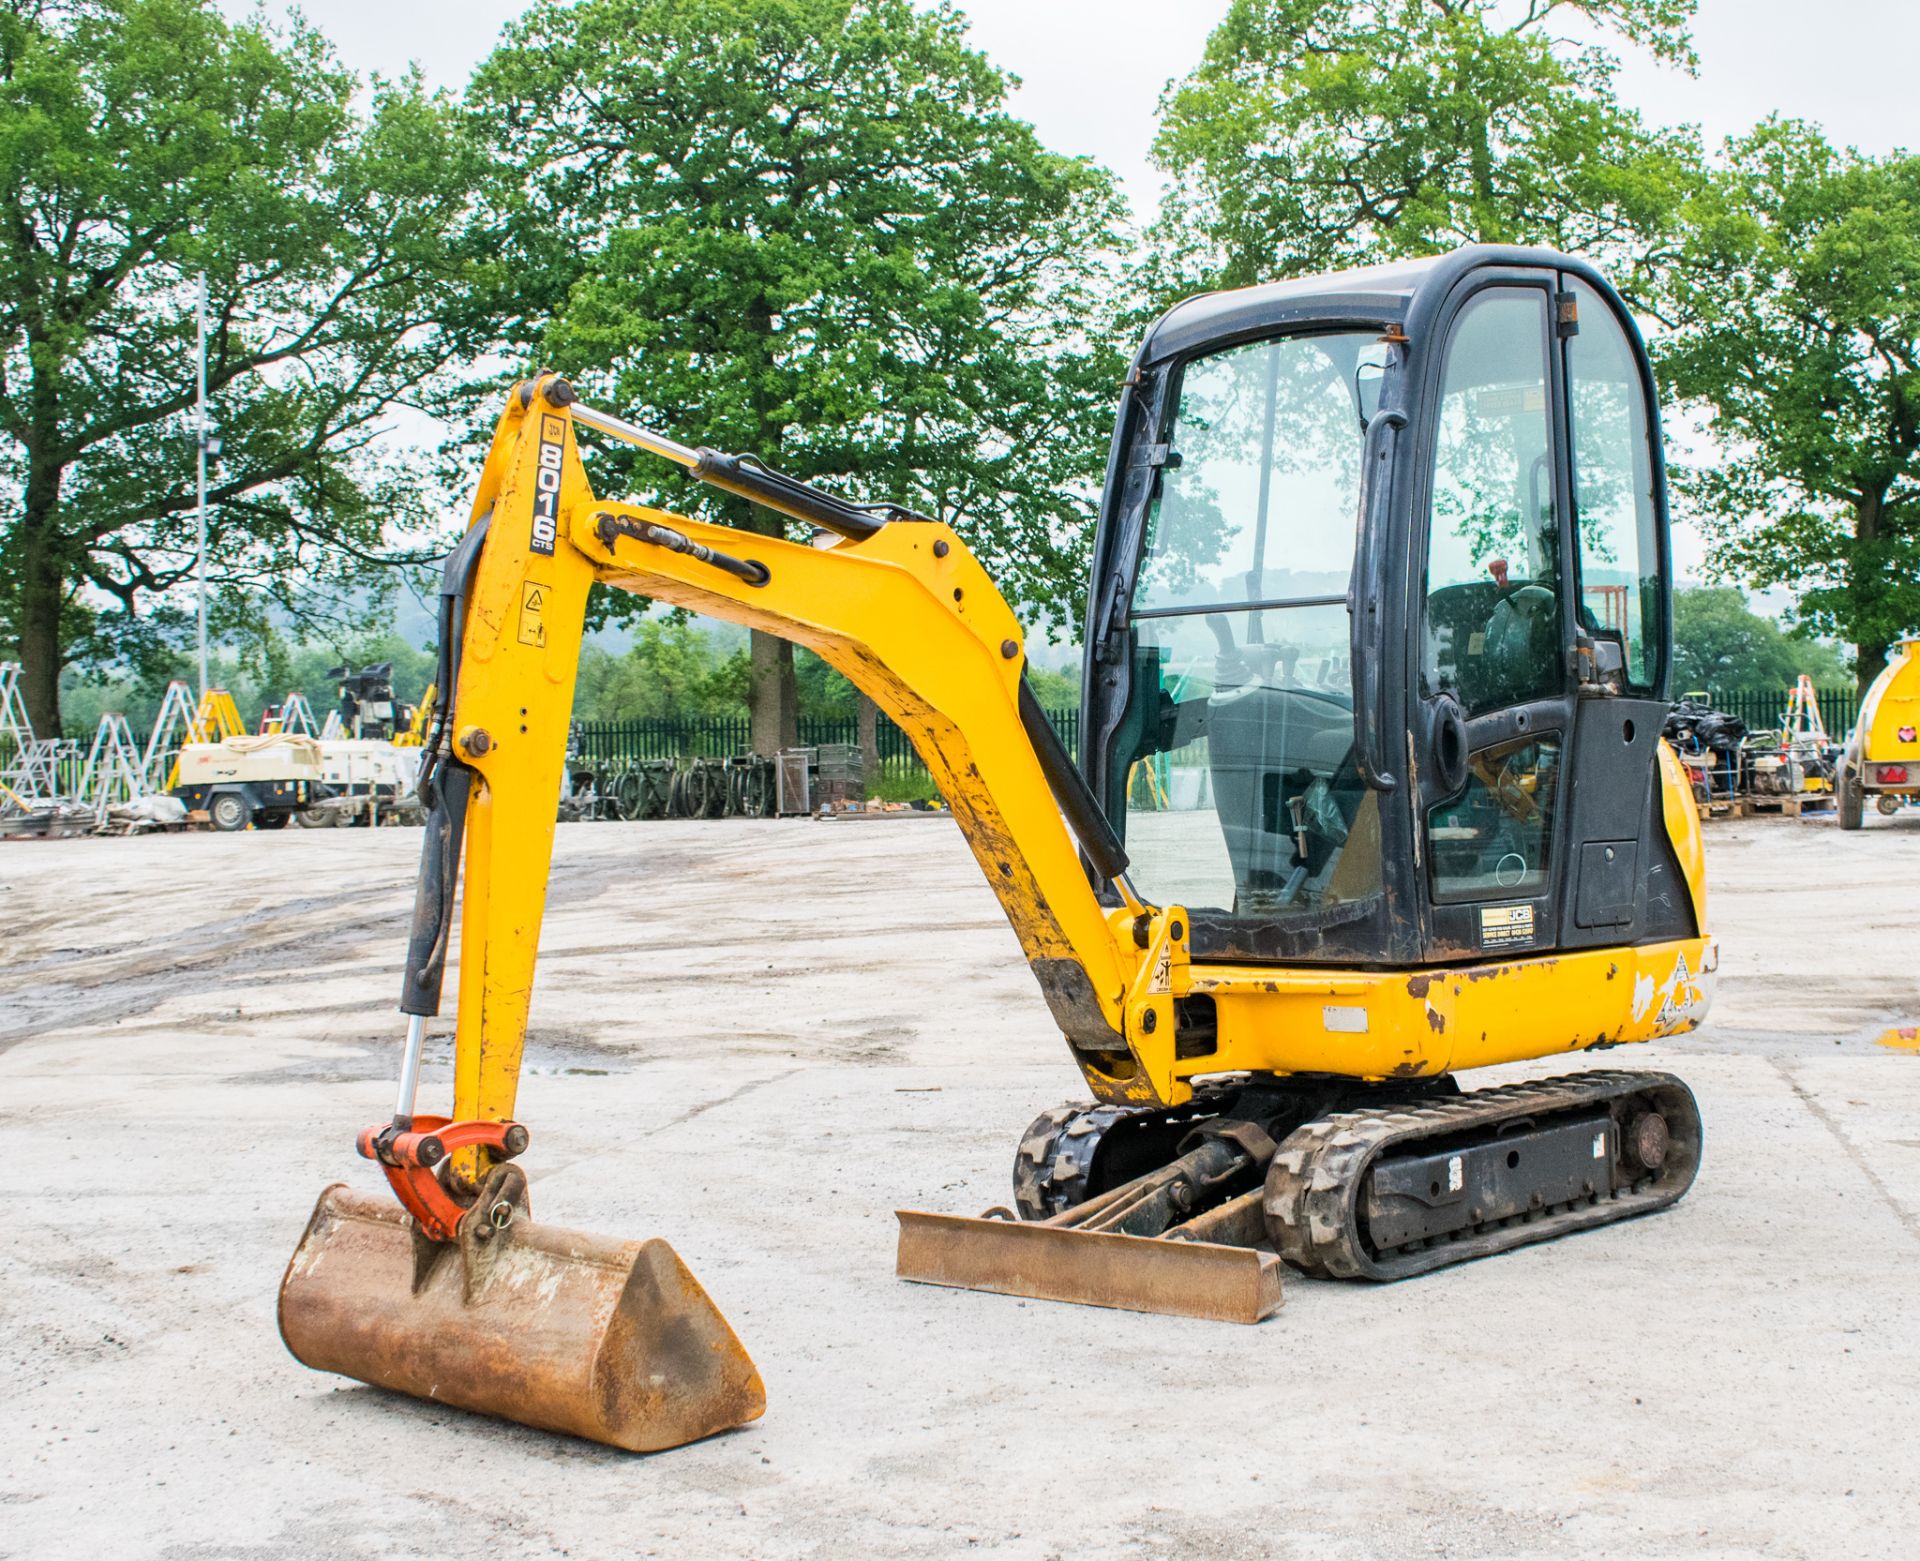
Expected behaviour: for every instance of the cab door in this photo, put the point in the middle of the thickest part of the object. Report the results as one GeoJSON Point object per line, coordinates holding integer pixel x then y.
{"type": "Point", "coordinates": [1535, 700]}
{"type": "Point", "coordinates": [1492, 717]}
{"type": "Point", "coordinates": [1624, 884]}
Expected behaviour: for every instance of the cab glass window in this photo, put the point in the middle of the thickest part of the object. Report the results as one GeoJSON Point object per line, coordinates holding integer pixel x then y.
{"type": "Point", "coordinates": [1619, 550]}
{"type": "Point", "coordinates": [1493, 633]}
{"type": "Point", "coordinates": [1493, 843]}
{"type": "Point", "coordinates": [1259, 497]}
{"type": "Point", "coordinates": [1243, 799]}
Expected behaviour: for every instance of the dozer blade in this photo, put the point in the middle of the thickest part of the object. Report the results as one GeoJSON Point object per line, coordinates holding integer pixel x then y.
{"type": "Point", "coordinates": [1095, 1268]}
{"type": "Point", "coordinates": [614, 1341]}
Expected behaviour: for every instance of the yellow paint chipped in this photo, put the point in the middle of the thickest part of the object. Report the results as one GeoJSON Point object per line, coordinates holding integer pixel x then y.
{"type": "Point", "coordinates": [1902, 1038]}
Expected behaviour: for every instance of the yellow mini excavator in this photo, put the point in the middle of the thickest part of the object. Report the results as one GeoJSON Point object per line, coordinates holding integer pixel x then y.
{"type": "Point", "coordinates": [1370, 791]}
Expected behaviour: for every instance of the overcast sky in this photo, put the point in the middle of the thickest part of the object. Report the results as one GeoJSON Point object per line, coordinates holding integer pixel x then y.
{"type": "Point", "coordinates": [1092, 70]}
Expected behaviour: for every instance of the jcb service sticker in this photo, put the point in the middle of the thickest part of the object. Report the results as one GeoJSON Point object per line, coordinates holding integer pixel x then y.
{"type": "Point", "coordinates": [546, 484]}
{"type": "Point", "coordinates": [1502, 926]}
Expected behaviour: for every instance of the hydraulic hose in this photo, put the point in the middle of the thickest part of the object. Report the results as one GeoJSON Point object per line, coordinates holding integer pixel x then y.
{"type": "Point", "coordinates": [1070, 790]}
{"type": "Point", "coordinates": [446, 786]}
{"type": "Point", "coordinates": [433, 898]}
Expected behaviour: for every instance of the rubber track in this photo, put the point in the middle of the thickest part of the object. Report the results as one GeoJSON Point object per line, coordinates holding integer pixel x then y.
{"type": "Point", "coordinates": [1314, 1184]}
{"type": "Point", "coordinates": [1055, 1157]}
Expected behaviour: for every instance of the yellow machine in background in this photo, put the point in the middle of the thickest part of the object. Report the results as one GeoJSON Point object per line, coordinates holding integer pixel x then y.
{"type": "Point", "coordinates": [415, 733]}
{"type": "Point", "coordinates": [1882, 758]}
{"type": "Point", "coordinates": [1396, 649]}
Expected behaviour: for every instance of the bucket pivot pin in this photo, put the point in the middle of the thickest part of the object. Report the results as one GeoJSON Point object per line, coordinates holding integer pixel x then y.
{"type": "Point", "coordinates": [415, 1155]}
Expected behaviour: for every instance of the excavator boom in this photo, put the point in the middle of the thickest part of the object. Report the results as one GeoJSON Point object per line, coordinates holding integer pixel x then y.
{"type": "Point", "coordinates": [453, 1292]}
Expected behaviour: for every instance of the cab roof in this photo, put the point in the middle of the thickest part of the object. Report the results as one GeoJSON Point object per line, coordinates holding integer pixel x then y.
{"type": "Point", "coordinates": [1380, 295]}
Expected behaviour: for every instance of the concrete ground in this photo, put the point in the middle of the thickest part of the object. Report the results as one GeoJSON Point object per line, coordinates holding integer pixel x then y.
{"type": "Point", "coordinates": [756, 1040]}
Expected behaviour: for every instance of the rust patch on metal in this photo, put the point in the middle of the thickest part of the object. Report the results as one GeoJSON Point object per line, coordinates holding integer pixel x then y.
{"type": "Point", "coordinates": [1436, 1021]}
{"type": "Point", "coordinates": [614, 1341]}
{"type": "Point", "coordinates": [1510, 968]}
{"type": "Point", "coordinates": [1093, 1268]}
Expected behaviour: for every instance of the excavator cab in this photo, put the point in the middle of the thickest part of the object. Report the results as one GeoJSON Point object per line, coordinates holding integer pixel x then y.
{"type": "Point", "coordinates": [1376, 665]}
{"type": "Point", "coordinates": [1370, 792]}
{"type": "Point", "coordinates": [1377, 652]}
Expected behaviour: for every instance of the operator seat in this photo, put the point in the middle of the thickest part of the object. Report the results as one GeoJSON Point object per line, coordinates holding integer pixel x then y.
{"type": "Point", "coordinates": [1266, 746]}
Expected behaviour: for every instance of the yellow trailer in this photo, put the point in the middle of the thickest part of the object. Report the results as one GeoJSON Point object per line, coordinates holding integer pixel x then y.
{"type": "Point", "coordinates": [1883, 754]}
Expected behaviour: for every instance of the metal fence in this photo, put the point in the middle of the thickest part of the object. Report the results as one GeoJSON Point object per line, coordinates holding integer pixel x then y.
{"type": "Point", "coordinates": [1765, 709]}
{"type": "Point", "coordinates": [670, 737]}
{"type": "Point", "coordinates": [606, 742]}
{"type": "Point", "coordinates": [67, 768]}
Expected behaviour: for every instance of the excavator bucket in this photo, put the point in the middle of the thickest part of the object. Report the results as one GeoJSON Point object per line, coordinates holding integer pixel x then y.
{"type": "Point", "coordinates": [610, 1340]}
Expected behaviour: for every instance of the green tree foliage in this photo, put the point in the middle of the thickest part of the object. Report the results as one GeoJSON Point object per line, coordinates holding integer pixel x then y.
{"type": "Point", "coordinates": [1794, 312]}
{"type": "Point", "coordinates": [687, 669]}
{"type": "Point", "coordinates": [809, 229]}
{"type": "Point", "coordinates": [1055, 689]}
{"type": "Point", "coordinates": [1323, 133]}
{"type": "Point", "coordinates": [255, 679]}
{"type": "Point", "coordinates": [673, 668]}
{"type": "Point", "coordinates": [1721, 643]}
{"type": "Point", "coordinates": [822, 691]}
{"type": "Point", "coordinates": [144, 143]}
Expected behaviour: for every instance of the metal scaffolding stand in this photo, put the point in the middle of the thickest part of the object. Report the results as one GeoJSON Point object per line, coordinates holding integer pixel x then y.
{"type": "Point", "coordinates": [176, 714]}
{"type": "Point", "coordinates": [30, 800]}
{"type": "Point", "coordinates": [294, 714]}
{"type": "Point", "coordinates": [33, 764]}
{"type": "Point", "coordinates": [115, 774]}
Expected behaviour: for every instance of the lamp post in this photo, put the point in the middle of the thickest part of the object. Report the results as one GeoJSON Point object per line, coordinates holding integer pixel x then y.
{"type": "Point", "coordinates": [205, 445]}
{"type": "Point", "coordinates": [200, 464]}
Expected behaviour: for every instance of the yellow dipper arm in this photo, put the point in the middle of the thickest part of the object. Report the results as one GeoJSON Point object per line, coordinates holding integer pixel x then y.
{"type": "Point", "coordinates": [907, 614]}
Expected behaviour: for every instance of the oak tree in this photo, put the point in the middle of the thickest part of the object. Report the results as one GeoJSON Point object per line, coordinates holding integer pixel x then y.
{"type": "Point", "coordinates": [1317, 134]}
{"type": "Point", "coordinates": [145, 144]}
{"type": "Point", "coordinates": [811, 230]}
{"type": "Point", "coordinates": [1793, 315]}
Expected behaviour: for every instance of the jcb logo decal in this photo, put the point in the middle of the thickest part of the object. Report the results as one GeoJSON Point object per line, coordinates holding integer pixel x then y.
{"type": "Point", "coordinates": [546, 484]}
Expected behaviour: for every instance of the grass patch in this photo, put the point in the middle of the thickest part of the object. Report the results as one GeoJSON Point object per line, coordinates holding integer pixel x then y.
{"type": "Point", "coordinates": [902, 782]}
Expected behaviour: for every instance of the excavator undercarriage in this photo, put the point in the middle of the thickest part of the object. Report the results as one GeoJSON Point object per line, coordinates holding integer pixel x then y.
{"type": "Point", "coordinates": [1341, 1180]}
{"type": "Point", "coordinates": [1369, 792]}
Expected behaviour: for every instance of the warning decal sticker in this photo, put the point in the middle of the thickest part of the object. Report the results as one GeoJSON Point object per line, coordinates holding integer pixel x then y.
{"type": "Point", "coordinates": [533, 607]}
